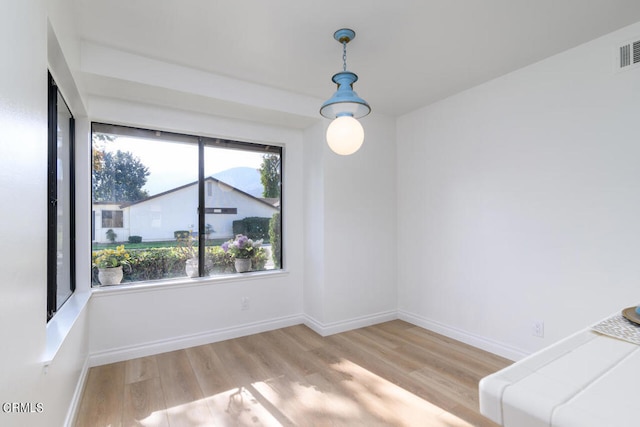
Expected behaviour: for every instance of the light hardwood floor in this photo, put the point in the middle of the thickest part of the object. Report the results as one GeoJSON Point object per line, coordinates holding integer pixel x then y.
{"type": "Point", "coordinates": [393, 373]}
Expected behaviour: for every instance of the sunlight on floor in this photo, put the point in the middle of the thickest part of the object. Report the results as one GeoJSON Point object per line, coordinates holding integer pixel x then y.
{"type": "Point", "coordinates": [350, 395]}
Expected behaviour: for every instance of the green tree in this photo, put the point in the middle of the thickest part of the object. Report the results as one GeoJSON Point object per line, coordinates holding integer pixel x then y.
{"type": "Point", "coordinates": [97, 148]}
{"type": "Point", "coordinates": [119, 178]}
{"type": "Point", "coordinates": [270, 175]}
{"type": "Point", "coordinates": [275, 239]}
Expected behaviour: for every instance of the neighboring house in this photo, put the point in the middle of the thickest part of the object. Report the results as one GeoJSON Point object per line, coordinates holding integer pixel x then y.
{"type": "Point", "coordinates": [157, 217]}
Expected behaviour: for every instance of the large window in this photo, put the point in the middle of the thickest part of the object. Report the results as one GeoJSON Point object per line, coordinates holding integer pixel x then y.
{"type": "Point", "coordinates": [60, 233]}
{"type": "Point", "coordinates": [169, 205]}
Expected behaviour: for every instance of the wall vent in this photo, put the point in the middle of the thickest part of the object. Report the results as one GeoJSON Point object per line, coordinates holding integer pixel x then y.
{"type": "Point", "coordinates": [629, 55]}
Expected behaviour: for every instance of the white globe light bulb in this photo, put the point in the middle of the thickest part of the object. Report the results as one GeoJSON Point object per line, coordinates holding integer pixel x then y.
{"type": "Point", "coordinates": [345, 135]}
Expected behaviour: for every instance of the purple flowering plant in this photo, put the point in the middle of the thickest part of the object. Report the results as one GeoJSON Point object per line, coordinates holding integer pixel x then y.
{"type": "Point", "coordinates": [242, 247]}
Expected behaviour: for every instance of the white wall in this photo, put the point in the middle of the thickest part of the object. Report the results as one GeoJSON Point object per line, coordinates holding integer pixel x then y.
{"type": "Point", "coordinates": [23, 166]}
{"type": "Point", "coordinates": [519, 199]}
{"type": "Point", "coordinates": [314, 223]}
{"type": "Point", "coordinates": [23, 162]}
{"type": "Point", "coordinates": [350, 227]}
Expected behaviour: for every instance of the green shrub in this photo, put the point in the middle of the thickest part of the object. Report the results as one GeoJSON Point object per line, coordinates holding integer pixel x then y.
{"type": "Point", "coordinates": [135, 239]}
{"type": "Point", "coordinates": [254, 227]}
{"type": "Point", "coordinates": [239, 227]}
{"type": "Point", "coordinates": [181, 234]}
{"type": "Point", "coordinates": [208, 229]}
{"type": "Point", "coordinates": [155, 264]}
{"type": "Point", "coordinates": [275, 238]}
{"type": "Point", "coordinates": [111, 235]}
{"type": "Point", "coordinates": [259, 260]}
{"type": "Point", "coordinates": [165, 263]}
{"type": "Point", "coordinates": [257, 228]}
{"type": "Point", "coordinates": [218, 260]}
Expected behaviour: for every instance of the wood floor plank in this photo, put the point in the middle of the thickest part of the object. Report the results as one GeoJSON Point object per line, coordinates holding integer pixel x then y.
{"type": "Point", "coordinates": [184, 400]}
{"type": "Point", "coordinates": [389, 337]}
{"type": "Point", "coordinates": [471, 416]}
{"type": "Point", "coordinates": [239, 365]}
{"type": "Point", "coordinates": [144, 404]}
{"type": "Point", "coordinates": [329, 403]}
{"type": "Point", "coordinates": [305, 337]}
{"type": "Point", "coordinates": [243, 406]}
{"type": "Point", "coordinates": [383, 401]}
{"type": "Point", "coordinates": [393, 373]}
{"type": "Point", "coordinates": [454, 392]}
{"type": "Point", "coordinates": [445, 344]}
{"type": "Point", "coordinates": [298, 362]}
{"type": "Point", "coordinates": [210, 372]}
{"type": "Point", "coordinates": [102, 401]}
{"type": "Point", "coordinates": [140, 369]}
{"type": "Point", "coordinates": [405, 360]}
{"type": "Point", "coordinates": [426, 391]}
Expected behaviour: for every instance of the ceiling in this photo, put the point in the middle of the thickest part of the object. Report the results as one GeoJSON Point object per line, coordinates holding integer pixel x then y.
{"type": "Point", "coordinates": [407, 54]}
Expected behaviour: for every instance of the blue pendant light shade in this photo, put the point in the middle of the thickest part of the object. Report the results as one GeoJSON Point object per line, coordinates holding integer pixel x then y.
{"type": "Point", "coordinates": [345, 134]}
{"type": "Point", "coordinates": [345, 101]}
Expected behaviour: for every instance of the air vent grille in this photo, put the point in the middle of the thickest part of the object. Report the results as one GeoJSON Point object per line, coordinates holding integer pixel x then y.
{"type": "Point", "coordinates": [625, 56]}
{"type": "Point", "coordinates": [629, 55]}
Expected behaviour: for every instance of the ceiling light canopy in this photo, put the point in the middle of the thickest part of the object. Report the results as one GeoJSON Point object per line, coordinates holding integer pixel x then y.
{"type": "Point", "coordinates": [345, 134]}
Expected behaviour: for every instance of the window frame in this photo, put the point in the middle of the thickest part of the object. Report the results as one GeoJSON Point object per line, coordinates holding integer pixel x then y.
{"type": "Point", "coordinates": [52, 199]}
{"type": "Point", "coordinates": [202, 142]}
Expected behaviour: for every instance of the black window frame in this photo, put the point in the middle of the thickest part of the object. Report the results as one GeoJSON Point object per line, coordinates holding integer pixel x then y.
{"type": "Point", "coordinates": [52, 199]}
{"type": "Point", "coordinates": [202, 142]}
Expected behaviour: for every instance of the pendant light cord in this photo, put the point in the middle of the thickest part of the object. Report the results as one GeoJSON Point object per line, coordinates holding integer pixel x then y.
{"type": "Point", "coordinates": [344, 56]}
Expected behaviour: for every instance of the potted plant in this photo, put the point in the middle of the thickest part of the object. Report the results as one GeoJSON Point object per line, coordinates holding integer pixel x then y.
{"type": "Point", "coordinates": [109, 263]}
{"type": "Point", "coordinates": [242, 249]}
{"type": "Point", "coordinates": [185, 243]}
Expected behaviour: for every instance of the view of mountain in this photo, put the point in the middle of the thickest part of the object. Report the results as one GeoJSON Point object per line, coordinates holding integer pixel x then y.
{"type": "Point", "coordinates": [244, 178]}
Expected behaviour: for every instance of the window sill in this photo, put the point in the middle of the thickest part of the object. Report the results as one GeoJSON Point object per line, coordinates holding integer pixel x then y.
{"type": "Point", "coordinates": [182, 283]}
{"type": "Point", "coordinates": [61, 324]}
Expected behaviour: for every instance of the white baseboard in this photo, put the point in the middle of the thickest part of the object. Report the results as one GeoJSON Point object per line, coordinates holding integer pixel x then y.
{"type": "Point", "coordinates": [478, 341]}
{"type": "Point", "coordinates": [178, 343]}
{"type": "Point", "coordinates": [323, 329]}
{"type": "Point", "coordinates": [72, 412]}
{"type": "Point", "coordinates": [326, 329]}
{"type": "Point", "coordinates": [186, 341]}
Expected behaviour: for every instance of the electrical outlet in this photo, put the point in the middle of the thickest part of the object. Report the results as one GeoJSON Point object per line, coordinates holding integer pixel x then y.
{"type": "Point", "coordinates": [537, 328]}
{"type": "Point", "coordinates": [244, 303]}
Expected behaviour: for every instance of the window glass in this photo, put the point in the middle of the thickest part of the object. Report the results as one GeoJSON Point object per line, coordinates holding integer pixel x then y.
{"type": "Point", "coordinates": [164, 202]}
{"type": "Point", "coordinates": [60, 238]}
{"type": "Point", "coordinates": [112, 219]}
{"type": "Point", "coordinates": [244, 201]}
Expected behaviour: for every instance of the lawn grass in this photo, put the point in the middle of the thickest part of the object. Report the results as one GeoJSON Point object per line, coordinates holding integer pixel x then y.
{"type": "Point", "coordinates": [148, 245]}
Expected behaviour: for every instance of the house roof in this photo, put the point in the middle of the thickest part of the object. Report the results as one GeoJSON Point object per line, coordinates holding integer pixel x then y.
{"type": "Point", "coordinates": [273, 201]}
{"type": "Point", "coordinates": [210, 178]}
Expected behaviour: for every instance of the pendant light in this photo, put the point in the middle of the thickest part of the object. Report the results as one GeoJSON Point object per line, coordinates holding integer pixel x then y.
{"type": "Point", "coordinates": [345, 134]}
